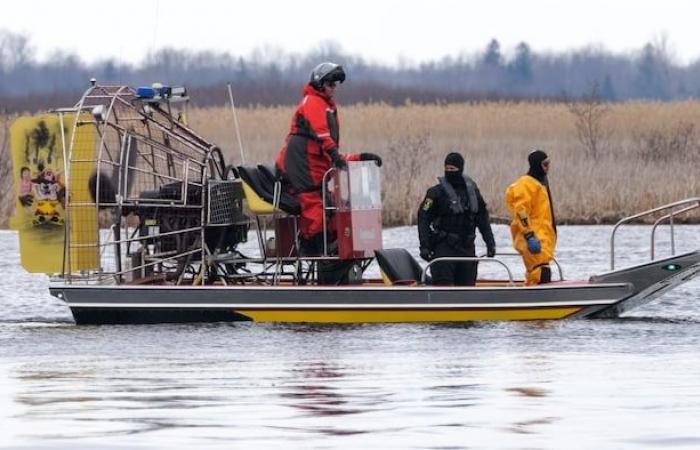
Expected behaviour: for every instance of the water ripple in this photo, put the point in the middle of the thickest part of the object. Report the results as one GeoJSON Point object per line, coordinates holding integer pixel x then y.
{"type": "Point", "coordinates": [544, 385]}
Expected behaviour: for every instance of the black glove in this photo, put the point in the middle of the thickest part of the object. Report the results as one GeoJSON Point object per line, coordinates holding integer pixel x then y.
{"type": "Point", "coordinates": [338, 162]}
{"type": "Point", "coordinates": [491, 251]}
{"type": "Point", "coordinates": [426, 254]}
{"type": "Point", "coordinates": [371, 157]}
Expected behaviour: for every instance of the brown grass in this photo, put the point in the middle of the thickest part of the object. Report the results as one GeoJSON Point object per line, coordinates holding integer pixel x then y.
{"type": "Point", "coordinates": [6, 179]}
{"type": "Point", "coordinates": [650, 155]}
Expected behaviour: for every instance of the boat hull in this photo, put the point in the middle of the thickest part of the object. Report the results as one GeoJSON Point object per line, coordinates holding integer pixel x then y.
{"type": "Point", "coordinates": [606, 295]}
{"type": "Point", "coordinates": [155, 304]}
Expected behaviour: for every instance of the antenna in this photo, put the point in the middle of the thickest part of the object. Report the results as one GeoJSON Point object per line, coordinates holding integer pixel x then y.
{"type": "Point", "coordinates": [235, 122]}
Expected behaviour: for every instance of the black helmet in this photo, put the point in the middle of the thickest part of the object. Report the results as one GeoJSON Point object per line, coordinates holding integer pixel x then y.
{"type": "Point", "coordinates": [326, 71]}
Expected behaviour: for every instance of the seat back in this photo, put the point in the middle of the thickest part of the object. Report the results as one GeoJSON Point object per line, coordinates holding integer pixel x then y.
{"type": "Point", "coordinates": [259, 189]}
{"type": "Point", "coordinates": [258, 193]}
{"type": "Point", "coordinates": [267, 172]}
{"type": "Point", "coordinates": [398, 265]}
{"type": "Point", "coordinates": [288, 203]}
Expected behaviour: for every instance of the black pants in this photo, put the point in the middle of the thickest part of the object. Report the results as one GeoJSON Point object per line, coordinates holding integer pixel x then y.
{"type": "Point", "coordinates": [454, 273]}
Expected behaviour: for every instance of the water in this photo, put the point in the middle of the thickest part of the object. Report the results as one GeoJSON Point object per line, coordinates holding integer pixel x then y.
{"type": "Point", "coordinates": [626, 383]}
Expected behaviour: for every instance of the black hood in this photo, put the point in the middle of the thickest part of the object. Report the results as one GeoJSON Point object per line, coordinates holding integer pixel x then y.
{"type": "Point", "coordinates": [535, 159]}
{"type": "Point", "coordinates": [536, 171]}
{"type": "Point", "coordinates": [455, 159]}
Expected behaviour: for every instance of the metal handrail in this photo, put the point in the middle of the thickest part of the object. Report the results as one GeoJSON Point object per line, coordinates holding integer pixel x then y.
{"type": "Point", "coordinates": [554, 260]}
{"type": "Point", "coordinates": [463, 259]}
{"type": "Point", "coordinates": [669, 217]}
{"type": "Point", "coordinates": [325, 208]}
{"type": "Point", "coordinates": [670, 206]}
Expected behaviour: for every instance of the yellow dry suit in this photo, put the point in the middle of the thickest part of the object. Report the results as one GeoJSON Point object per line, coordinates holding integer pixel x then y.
{"type": "Point", "coordinates": [530, 207]}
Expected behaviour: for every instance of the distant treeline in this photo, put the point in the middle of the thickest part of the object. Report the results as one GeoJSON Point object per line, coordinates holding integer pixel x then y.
{"type": "Point", "coordinates": [269, 77]}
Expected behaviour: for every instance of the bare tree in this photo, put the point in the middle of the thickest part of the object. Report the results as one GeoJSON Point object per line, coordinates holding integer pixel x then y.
{"type": "Point", "coordinates": [589, 118]}
{"type": "Point", "coordinates": [406, 160]}
{"type": "Point", "coordinates": [15, 50]}
{"type": "Point", "coordinates": [678, 142]}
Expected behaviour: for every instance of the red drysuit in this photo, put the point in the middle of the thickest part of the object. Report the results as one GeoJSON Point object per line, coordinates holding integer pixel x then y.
{"type": "Point", "coordinates": [314, 135]}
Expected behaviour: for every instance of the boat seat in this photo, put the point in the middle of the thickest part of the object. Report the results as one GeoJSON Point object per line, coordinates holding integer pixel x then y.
{"type": "Point", "coordinates": [259, 191]}
{"type": "Point", "coordinates": [268, 173]}
{"type": "Point", "coordinates": [288, 203]}
{"type": "Point", "coordinates": [398, 266]}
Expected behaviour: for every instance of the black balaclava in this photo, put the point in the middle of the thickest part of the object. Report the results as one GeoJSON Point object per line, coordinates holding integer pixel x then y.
{"type": "Point", "coordinates": [535, 159]}
{"type": "Point", "coordinates": [455, 159]}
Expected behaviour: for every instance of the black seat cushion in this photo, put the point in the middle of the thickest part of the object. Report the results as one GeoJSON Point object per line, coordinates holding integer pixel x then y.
{"type": "Point", "coordinates": [267, 172]}
{"type": "Point", "coordinates": [288, 203]}
{"type": "Point", "coordinates": [264, 186]}
{"type": "Point", "coordinates": [398, 265]}
{"type": "Point", "coordinates": [251, 175]}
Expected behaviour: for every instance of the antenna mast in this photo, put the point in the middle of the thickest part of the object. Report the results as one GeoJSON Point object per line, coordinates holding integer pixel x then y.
{"type": "Point", "coordinates": [235, 122]}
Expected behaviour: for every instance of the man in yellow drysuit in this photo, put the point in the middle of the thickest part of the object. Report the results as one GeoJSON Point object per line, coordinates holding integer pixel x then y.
{"type": "Point", "coordinates": [534, 232]}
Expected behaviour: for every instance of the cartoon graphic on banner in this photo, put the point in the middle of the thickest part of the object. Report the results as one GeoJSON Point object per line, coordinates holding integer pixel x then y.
{"type": "Point", "coordinates": [38, 164]}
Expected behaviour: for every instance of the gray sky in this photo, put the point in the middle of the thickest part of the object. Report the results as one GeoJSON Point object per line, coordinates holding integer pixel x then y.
{"type": "Point", "coordinates": [381, 30]}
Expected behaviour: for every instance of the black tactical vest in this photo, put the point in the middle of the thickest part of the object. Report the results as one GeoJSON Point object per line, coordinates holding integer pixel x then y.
{"type": "Point", "coordinates": [457, 213]}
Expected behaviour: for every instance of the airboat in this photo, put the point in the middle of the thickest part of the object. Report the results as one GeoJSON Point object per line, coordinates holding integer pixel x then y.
{"type": "Point", "coordinates": [138, 219]}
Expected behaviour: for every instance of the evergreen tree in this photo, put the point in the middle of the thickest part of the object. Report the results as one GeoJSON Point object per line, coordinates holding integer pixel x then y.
{"type": "Point", "coordinates": [520, 68]}
{"type": "Point", "coordinates": [492, 55]}
{"type": "Point", "coordinates": [652, 74]}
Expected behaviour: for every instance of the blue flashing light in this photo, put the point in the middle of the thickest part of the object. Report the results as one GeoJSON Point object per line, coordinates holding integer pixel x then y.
{"type": "Point", "coordinates": [145, 92]}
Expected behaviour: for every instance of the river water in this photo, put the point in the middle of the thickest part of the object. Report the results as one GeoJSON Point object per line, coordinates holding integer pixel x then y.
{"type": "Point", "coordinates": [627, 383]}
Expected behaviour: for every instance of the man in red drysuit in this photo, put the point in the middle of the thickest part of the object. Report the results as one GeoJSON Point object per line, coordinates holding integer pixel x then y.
{"type": "Point", "coordinates": [312, 148]}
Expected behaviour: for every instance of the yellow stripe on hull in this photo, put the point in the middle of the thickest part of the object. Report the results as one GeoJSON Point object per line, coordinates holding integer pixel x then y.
{"type": "Point", "coordinates": [366, 316]}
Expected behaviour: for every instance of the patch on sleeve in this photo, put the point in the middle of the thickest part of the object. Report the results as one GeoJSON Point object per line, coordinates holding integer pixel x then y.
{"type": "Point", "coordinates": [427, 203]}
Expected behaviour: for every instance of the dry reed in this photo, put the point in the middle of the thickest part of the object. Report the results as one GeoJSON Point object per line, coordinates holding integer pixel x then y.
{"type": "Point", "coordinates": [495, 139]}
{"type": "Point", "coordinates": [649, 157]}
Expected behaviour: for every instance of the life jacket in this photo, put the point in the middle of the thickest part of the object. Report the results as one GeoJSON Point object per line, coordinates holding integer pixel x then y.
{"type": "Point", "coordinates": [454, 200]}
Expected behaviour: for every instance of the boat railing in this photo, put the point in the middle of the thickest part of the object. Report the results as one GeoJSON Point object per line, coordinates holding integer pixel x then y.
{"type": "Point", "coordinates": [686, 205]}
{"type": "Point", "coordinates": [326, 208]}
{"type": "Point", "coordinates": [514, 254]}
{"type": "Point", "coordinates": [424, 275]}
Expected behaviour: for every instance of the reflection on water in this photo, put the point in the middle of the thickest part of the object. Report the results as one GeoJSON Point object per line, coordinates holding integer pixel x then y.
{"type": "Point", "coordinates": [506, 385]}
{"type": "Point", "coordinates": [626, 383]}
{"type": "Point", "coordinates": [528, 391]}
{"type": "Point", "coordinates": [313, 391]}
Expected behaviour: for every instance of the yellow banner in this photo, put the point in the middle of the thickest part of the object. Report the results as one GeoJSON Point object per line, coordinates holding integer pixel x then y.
{"type": "Point", "coordinates": [37, 145]}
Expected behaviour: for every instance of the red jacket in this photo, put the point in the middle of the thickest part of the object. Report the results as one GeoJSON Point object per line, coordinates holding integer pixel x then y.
{"type": "Point", "coordinates": [313, 133]}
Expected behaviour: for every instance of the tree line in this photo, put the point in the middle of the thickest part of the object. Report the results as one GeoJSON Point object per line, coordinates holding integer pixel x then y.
{"type": "Point", "coordinates": [269, 76]}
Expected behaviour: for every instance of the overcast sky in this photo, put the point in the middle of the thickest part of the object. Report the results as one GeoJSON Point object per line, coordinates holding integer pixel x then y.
{"type": "Point", "coordinates": [380, 30]}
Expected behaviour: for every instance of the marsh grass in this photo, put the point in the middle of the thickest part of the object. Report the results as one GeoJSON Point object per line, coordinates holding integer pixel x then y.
{"type": "Point", "coordinates": [6, 179]}
{"type": "Point", "coordinates": [650, 155]}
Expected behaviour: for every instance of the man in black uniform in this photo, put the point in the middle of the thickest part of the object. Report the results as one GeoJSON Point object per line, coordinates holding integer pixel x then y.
{"type": "Point", "coordinates": [447, 221]}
